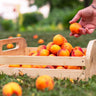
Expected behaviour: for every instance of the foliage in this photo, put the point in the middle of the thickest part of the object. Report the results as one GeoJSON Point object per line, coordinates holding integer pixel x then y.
{"type": "Point", "coordinates": [57, 3]}
{"type": "Point", "coordinates": [31, 18]}
{"type": "Point", "coordinates": [62, 87]}
{"type": "Point", "coordinates": [7, 24]}
{"type": "Point", "coordinates": [69, 15]}
{"type": "Point", "coordinates": [55, 17]}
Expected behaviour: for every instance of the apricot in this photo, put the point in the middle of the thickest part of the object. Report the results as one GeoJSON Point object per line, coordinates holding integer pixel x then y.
{"type": "Point", "coordinates": [43, 52]}
{"type": "Point", "coordinates": [48, 46]}
{"type": "Point", "coordinates": [10, 37]}
{"type": "Point", "coordinates": [35, 36]}
{"type": "Point", "coordinates": [59, 39]}
{"type": "Point", "coordinates": [73, 67]}
{"type": "Point", "coordinates": [37, 66]}
{"type": "Point", "coordinates": [12, 88]}
{"type": "Point", "coordinates": [40, 41]}
{"type": "Point", "coordinates": [18, 35]}
{"type": "Point", "coordinates": [39, 48]}
{"type": "Point", "coordinates": [67, 46]}
{"type": "Point", "coordinates": [32, 52]}
{"type": "Point", "coordinates": [77, 51]}
{"type": "Point", "coordinates": [52, 55]}
{"type": "Point", "coordinates": [26, 66]}
{"type": "Point", "coordinates": [63, 52]}
{"type": "Point", "coordinates": [74, 28]}
{"type": "Point", "coordinates": [60, 67]}
{"type": "Point", "coordinates": [54, 49]}
{"type": "Point", "coordinates": [49, 67]}
{"type": "Point", "coordinates": [43, 82]}
{"type": "Point", "coordinates": [13, 65]}
{"type": "Point", "coordinates": [9, 46]}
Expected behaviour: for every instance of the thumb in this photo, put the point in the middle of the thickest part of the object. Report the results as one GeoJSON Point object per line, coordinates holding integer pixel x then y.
{"type": "Point", "coordinates": [76, 17]}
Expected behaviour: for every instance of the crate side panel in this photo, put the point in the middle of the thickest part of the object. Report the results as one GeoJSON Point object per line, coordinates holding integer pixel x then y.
{"type": "Point", "coordinates": [34, 72]}
{"type": "Point", "coordinates": [43, 60]}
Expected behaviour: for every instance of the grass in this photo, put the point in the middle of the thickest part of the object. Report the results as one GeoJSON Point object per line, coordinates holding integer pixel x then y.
{"type": "Point", "coordinates": [62, 87]}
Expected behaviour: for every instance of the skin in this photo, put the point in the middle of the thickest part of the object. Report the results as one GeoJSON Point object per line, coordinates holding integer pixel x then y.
{"type": "Point", "coordinates": [87, 18]}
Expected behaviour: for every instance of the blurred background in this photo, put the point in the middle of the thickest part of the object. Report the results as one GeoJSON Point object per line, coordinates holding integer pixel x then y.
{"type": "Point", "coordinates": [29, 15]}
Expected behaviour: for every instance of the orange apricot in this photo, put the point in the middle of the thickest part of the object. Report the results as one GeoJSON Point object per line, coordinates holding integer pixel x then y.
{"type": "Point", "coordinates": [12, 88]}
{"type": "Point", "coordinates": [74, 28]}
{"type": "Point", "coordinates": [35, 36]}
{"type": "Point", "coordinates": [32, 52]}
{"type": "Point", "coordinates": [40, 41]}
{"type": "Point", "coordinates": [59, 39]}
{"type": "Point", "coordinates": [63, 52]}
{"type": "Point", "coordinates": [39, 48]}
{"type": "Point", "coordinates": [49, 45]}
{"type": "Point", "coordinates": [43, 82]}
{"type": "Point", "coordinates": [67, 46]}
{"type": "Point", "coordinates": [26, 66]}
{"type": "Point", "coordinates": [43, 52]}
{"type": "Point", "coordinates": [9, 46]}
{"type": "Point", "coordinates": [54, 49]}
{"type": "Point", "coordinates": [13, 65]}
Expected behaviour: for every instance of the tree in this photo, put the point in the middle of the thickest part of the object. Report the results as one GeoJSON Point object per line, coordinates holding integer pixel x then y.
{"type": "Point", "coordinates": [57, 3]}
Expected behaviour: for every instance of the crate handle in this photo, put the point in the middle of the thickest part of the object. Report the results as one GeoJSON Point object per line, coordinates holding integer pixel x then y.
{"type": "Point", "coordinates": [91, 59]}
{"type": "Point", "coordinates": [19, 49]}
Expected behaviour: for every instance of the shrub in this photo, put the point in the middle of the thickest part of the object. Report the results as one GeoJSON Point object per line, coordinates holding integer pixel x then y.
{"type": "Point", "coordinates": [55, 17]}
{"type": "Point", "coordinates": [31, 18]}
{"type": "Point", "coordinates": [7, 25]}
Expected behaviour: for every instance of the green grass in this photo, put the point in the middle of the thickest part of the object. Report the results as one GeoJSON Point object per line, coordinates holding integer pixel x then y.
{"type": "Point", "coordinates": [62, 87]}
{"type": "Point", "coordinates": [48, 36]}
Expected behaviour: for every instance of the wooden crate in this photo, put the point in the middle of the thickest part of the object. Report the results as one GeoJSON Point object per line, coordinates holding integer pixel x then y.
{"type": "Point", "coordinates": [19, 55]}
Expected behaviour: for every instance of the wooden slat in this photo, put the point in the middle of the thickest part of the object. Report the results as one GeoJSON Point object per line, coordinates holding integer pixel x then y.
{"type": "Point", "coordinates": [34, 72]}
{"type": "Point", "coordinates": [43, 60]}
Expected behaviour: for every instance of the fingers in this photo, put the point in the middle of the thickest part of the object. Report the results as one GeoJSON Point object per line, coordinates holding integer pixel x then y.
{"type": "Point", "coordinates": [75, 35]}
{"type": "Point", "coordinates": [76, 18]}
{"type": "Point", "coordinates": [89, 31]}
{"type": "Point", "coordinates": [83, 31]}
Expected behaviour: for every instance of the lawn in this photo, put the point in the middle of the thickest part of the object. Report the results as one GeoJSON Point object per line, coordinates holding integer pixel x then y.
{"type": "Point", "coordinates": [62, 87]}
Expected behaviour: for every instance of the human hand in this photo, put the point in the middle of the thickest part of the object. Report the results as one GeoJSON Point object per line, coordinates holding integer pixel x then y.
{"type": "Point", "coordinates": [87, 18]}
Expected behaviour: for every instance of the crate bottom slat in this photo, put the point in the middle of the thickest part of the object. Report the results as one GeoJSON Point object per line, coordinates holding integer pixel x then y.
{"type": "Point", "coordinates": [34, 72]}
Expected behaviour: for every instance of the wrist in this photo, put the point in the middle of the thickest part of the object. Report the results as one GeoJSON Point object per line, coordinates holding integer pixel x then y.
{"type": "Point", "coordinates": [94, 2]}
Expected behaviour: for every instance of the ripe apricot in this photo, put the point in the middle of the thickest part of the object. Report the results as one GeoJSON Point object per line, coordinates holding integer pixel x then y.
{"type": "Point", "coordinates": [26, 66]}
{"type": "Point", "coordinates": [59, 39]}
{"type": "Point", "coordinates": [9, 46]}
{"type": "Point", "coordinates": [12, 88]}
{"type": "Point", "coordinates": [18, 35]}
{"type": "Point", "coordinates": [60, 67]}
{"type": "Point", "coordinates": [32, 52]}
{"type": "Point", "coordinates": [49, 45]}
{"type": "Point", "coordinates": [54, 49]}
{"type": "Point", "coordinates": [52, 55]}
{"type": "Point", "coordinates": [13, 65]}
{"type": "Point", "coordinates": [77, 51]}
{"type": "Point", "coordinates": [39, 48]}
{"type": "Point", "coordinates": [43, 82]}
{"type": "Point", "coordinates": [73, 67]}
{"type": "Point", "coordinates": [74, 28]}
{"type": "Point", "coordinates": [35, 36]}
{"type": "Point", "coordinates": [10, 37]}
{"type": "Point", "coordinates": [63, 52]}
{"type": "Point", "coordinates": [67, 46]}
{"type": "Point", "coordinates": [43, 52]}
{"type": "Point", "coordinates": [40, 41]}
